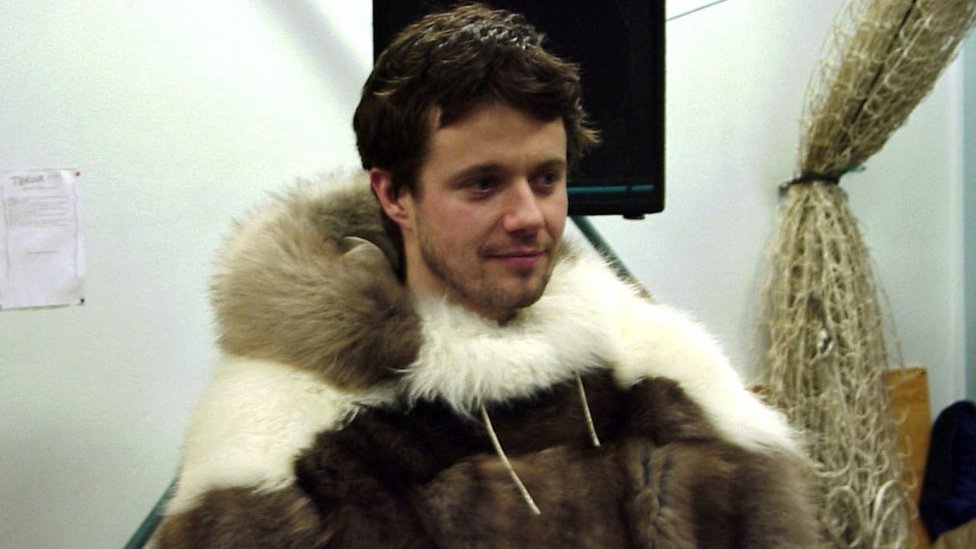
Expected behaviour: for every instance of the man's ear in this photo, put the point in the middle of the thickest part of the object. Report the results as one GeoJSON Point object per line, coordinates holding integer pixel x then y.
{"type": "Point", "coordinates": [395, 204]}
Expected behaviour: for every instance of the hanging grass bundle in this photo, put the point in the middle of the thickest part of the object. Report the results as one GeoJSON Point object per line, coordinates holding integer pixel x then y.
{"type": "Point", "coordinates": [826, 359]}
{"type": "Point", "coordinates": [827, 352]}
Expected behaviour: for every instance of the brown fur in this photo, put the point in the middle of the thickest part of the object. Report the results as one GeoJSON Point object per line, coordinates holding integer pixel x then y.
{"type": "Point", "coordinates": [313, 285]}
{"type": "Point", "coordinates": [427, 477]}
{"type": "Point", "coordinates": [239, 517]}
{"type": "Point", "coordinates": [662, 478]}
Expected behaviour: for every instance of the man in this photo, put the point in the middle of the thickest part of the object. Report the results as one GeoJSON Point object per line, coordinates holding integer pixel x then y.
{"type": "Point", "coordinates": [462, 377]}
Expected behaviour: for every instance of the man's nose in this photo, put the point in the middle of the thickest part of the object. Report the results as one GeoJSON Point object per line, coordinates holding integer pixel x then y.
{"type": "Point", "coordinates": [523, 209]}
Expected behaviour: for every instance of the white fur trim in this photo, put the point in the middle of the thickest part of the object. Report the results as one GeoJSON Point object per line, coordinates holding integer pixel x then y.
{"type": "Point", "coordinates": [653, 340]}
{"type": "Point", "coordinates": [656, 340]}
{"type": "Point", "coordinates": [587, 318]}
{"type": "Point", "coordinates": [252, 422]}
{"type": "Point", "coordinates": [467, 360]}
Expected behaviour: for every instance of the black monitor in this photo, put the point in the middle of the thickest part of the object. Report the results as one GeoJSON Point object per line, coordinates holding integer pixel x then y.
{"type": "Point", "coordinates": [619, 46]}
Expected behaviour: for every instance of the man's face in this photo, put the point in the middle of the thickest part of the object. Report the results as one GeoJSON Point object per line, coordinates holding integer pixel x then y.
{"type": "Point", "coordinates": [485, 223]}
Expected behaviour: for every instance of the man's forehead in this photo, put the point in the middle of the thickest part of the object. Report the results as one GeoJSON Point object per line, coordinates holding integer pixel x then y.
{"type": "Point", "coordinates": [491, 126]}
{"type": "Point", "coordinates": [437, 118]}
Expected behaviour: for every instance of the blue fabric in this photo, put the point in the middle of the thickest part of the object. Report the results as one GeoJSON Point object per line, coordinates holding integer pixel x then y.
{"type": "Point", "coordinates": [948, 496]}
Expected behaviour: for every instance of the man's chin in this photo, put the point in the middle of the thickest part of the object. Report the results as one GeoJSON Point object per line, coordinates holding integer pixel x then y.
{"type": "Point", "coordinates": [526, 293]}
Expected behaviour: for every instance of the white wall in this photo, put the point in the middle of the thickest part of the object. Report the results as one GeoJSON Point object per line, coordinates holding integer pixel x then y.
{"type": "Point", "coordinates": [969, 209]}
{"type": "Point", "coordinates": [183, 114]}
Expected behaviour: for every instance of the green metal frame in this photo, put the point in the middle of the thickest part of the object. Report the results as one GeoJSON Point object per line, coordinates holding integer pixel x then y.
{"type": "Point", "coordinates": [597, 241]}
{"type": "Point", "coordinates": [145, 531]}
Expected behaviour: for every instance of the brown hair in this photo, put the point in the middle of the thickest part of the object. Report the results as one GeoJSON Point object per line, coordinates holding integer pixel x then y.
{"type": "Point", "coordinates": [456, 62]}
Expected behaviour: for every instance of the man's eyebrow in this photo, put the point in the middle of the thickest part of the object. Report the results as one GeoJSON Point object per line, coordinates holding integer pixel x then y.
{"type": "Point", "coordinates": [477, 170]}
{"type": "Point", "coordinates": [491, 168]}
{"type": "Point", "coordinates": [552, 164]}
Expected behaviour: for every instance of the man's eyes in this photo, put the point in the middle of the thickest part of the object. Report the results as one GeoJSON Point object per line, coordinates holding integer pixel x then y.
{"type": "Point", "coordinates": [543, 182]}
{"type": "Point", "coordinates": [481, 185]}
{"type": "Point", "coordinates": [547, 180]}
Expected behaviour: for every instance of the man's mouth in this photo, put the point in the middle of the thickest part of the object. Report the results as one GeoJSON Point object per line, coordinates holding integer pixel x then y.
{"type": "Point", "coordinates": [519, 258]}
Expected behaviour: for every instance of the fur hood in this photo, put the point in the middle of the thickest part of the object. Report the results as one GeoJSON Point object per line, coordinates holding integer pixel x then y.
{"type": "Point", "coordinates": [308, 280]}
{"type": "Point", "coordinates": [315, 325]}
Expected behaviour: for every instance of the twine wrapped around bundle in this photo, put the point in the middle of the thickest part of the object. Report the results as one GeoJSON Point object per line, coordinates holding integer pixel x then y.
{"type": "Point", "coordinates": [827, 354]}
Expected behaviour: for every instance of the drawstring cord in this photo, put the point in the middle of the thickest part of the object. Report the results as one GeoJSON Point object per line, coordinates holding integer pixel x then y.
{"type": "Point", "coordinates": [508, 464]}
{"type": "Point", "coordinates": [586, 412]}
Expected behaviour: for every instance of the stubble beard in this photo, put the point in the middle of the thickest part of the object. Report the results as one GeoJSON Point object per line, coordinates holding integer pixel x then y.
{"type": "Point", "coordinates": [476, 285]}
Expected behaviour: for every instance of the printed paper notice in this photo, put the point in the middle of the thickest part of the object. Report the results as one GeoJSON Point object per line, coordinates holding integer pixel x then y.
{"type": "Point", "coordinates": [41, 249]}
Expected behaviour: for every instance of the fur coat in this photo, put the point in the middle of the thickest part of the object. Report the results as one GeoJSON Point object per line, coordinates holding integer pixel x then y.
{"type": "Point", "coordinates": [347, 413]}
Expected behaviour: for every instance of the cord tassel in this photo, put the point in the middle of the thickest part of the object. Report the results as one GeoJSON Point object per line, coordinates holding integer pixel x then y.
{"type": "Point", "coordinates": [586, 412]}
{"type": "Point", "coordinates": [508, 465]}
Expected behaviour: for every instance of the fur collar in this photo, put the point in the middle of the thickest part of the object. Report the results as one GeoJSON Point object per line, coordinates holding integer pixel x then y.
{"type": "Point", "coordinates": [309, 281]}
{"type": "Point", "coordinates": [307, 302]}
{"type": "Point", "coordinates": [466, 360]}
